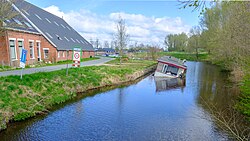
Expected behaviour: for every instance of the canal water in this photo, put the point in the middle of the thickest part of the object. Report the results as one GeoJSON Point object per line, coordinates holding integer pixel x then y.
{"type": "Point", "coordinates": [146, 110]}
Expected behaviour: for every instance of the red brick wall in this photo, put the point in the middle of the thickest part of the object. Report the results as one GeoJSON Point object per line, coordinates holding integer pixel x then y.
{"type": "Point", "coordinates": [44, 44]}
{"type": "Point", "coordinates": [4, 55]}
{"type": "Point", "coordinates": [25, 37]}
{"type": "Point", "coordinates": [87, 54]}
{"type": "Point", "coordinates": [63, 58]}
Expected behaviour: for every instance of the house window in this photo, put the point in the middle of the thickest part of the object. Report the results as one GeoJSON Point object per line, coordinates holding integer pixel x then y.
{"type": "Point", "coordinates": [31, 46]}
{"type": "Point", "coordinates": [63, 53]}
{"type": "Point", "coordinates": [13, 49]}
{"type": "Point", "coordinates": [20, 47]}
{"type": "Point", "coordinates": [46, 53]}
{"type": "Point", "coordinates": [58, 54]}
{"type": "Point", "coordinates": [38, 45]}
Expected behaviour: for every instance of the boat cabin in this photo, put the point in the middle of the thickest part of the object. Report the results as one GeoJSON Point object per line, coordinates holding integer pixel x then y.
{"type": "Point", "coordinates": [171, 67]}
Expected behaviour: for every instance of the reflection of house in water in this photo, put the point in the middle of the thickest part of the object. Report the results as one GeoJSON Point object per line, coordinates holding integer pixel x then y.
{"type": "Point", "coordinates": [168, 83]}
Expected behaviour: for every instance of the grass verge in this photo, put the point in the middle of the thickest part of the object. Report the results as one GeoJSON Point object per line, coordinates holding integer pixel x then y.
{"type": "Point", "coordinates": [37, 93]}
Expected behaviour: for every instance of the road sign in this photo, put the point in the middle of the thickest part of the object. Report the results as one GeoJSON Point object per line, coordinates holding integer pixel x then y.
{"type": "Point", "coordinates": [77, 54]}
{"type": "Point", "coordinates": [76, 57]}
{"type": "Point", "coordinates": [23, 58]}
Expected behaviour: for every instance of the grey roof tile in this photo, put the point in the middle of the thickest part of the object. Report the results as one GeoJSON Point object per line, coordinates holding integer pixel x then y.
{"type": "Point", "coordinates": [56, 27]}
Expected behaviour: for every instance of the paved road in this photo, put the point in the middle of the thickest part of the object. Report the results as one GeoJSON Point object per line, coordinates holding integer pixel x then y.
{"type": "Point", "coordinates": [100, 61]}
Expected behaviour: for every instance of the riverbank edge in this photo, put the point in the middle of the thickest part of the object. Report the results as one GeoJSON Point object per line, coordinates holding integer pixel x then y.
{"type": "Point", "coordinates": [130, 78]}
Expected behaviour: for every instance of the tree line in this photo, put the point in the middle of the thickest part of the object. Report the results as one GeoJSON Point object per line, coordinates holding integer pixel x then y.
{"type": "Point", "coordinates": [223, 32]}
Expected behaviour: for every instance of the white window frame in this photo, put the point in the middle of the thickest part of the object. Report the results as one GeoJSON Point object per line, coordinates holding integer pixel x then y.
{"type": "Point", "coordinates": [58, 54]}
{"type": "Point", "coordinates": [14, 39]}
{"type": "Point", "coordinates": [63, 53]}
{"type": "Point", "coordinates": [40, 54]}
{"type": "Point", "coordinates": [33, 50]}
{"type": "Point", "coordinates": [20, 53]}
{"type": "Point", "coordinates": [44, 53]}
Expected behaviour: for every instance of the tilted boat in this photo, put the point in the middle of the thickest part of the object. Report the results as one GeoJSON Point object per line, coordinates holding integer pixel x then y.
{"type": "Point", "coordinates": [170, 67]}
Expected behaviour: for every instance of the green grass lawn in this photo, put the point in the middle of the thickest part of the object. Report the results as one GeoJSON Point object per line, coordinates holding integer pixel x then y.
{"type": "Point", "coordinates": [188, 56]}
{"type": "Point", "coordinates": [36, 93]}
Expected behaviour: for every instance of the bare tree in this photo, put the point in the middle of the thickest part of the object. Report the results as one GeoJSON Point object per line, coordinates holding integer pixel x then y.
{"type": "Point", "coordinates": [97, 43]}
{"type": "Point", "coordinates": [152, 51]}
{"type": "Point", "coordinates": [106, 44]}
{"type": "Point", "coordinates": [92, 42]}
{"type": "Point", "coordinates": [7, 12]}
{"type": "Point", "coordinates": [121, 36]}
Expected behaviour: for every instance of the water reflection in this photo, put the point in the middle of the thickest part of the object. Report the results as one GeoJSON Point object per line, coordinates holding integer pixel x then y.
{"type": "Point", "coordinates": [148, 110]}
{"type": "Point", "coordinates": [163, 84]}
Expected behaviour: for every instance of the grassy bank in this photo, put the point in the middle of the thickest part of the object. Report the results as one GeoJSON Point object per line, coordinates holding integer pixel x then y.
{"type": "Point", "coordinates": [181, 55]}
{"type": "Point", "coordinates": [36, 93]}
{"type": "Point", "coordinates": [188, 56]}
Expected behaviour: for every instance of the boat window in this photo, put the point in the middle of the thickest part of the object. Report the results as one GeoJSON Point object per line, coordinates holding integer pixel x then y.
{"type": "Point", "coordinates": [164, 68]}
{"type": "Point", "coordinates": [172, 70]}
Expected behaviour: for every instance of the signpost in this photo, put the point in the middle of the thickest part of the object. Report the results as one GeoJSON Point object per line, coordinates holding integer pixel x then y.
{"type": "Point", "coordinates": [23, 61]}
{"type": "Point", "coordinates": [77, 52]}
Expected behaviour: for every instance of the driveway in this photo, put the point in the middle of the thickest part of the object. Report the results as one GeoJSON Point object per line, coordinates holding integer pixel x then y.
{"type": "Point", "coordinates": [100, 61]}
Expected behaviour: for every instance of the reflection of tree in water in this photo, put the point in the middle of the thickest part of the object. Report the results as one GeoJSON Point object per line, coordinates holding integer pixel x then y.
{"type": "Point", "coordinates": [218, 97]}
{"type": "Point", "coordinates": [121, 98]}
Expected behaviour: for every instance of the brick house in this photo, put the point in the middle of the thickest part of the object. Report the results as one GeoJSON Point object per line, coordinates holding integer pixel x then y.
{"type": "Point", "coordinates": [47, 38]}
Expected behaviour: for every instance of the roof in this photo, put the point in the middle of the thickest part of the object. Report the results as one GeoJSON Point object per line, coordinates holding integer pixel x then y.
{"type": "Point", "coordinates": [106, 49]}
{"type": "Point", "coordinates": [53, 28]}
{"type": "Point", "coordinates": [173, 61]}
{"type": "Point", "coordinates": [21, 24]}
{"type": "Point", "coordinates": [18, 22]}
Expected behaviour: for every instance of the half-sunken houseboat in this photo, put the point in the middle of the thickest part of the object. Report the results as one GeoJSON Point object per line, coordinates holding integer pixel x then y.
{"type": "Point", "coordinates": [170, 67]}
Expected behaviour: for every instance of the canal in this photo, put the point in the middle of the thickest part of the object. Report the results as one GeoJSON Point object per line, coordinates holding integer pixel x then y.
{"type": "Point", "coordinates": [146, 110]}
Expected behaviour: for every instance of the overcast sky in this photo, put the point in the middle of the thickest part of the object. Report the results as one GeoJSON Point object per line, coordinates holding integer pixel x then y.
{"type": "Point", "coordinates": [147, 21]}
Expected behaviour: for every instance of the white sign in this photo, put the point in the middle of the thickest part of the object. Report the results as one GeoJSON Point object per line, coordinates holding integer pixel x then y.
{"type": "Point", "coordinates": [77, 54]}
{"type": "Point", "coordinates": [22, 65]}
